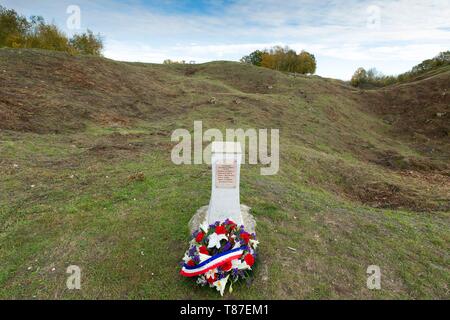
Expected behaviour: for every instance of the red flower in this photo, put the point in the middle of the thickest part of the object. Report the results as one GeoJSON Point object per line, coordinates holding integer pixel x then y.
{"type": "Point", "coordinates": [199, 237]}
{"type": "Point", "coordinates": [226, 266]}
{"type": "Point", "coordinates": [212, 279]}
{"type": "Point", "coordinates": [245, 236]}
{"type": "Point", "coordinates": [221, 230]}
{"type": "Point", "coordinates": [203, 250]}
{"type": "Point", "coordinates": [231, 224]}
{"type": "Point", "coordinates": [191, 263]}
{"type": "Point", "coordinates": [249, 259]}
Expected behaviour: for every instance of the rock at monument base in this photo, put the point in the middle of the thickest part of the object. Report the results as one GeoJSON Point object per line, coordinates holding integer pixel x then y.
{"type": "Point", "coordinates": [200, 217]}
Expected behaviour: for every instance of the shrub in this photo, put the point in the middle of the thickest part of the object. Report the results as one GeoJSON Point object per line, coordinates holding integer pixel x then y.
{"type": "Point", "coordinates": [18, 32]}
{"type": "Point", "coordinates": [373, 78]}
{"type": "Point", "coordinates": [87, 43]}
{"type": "Point", "coordinates": [168, 61]}
{"type": "Point", "coordinates": [254, 58]}
{"type": "Point", "coordinates": [12, 28]}
{"type": "Point", "coordinates": [283, 59]}
{"type": "Point", "coordinates": [359, 77]}
{"type": "Point", "coordinates": [45, 36]}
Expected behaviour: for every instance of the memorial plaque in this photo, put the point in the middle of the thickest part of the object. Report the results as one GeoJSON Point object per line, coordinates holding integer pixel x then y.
{"type": "Point", "coordinates": [224, 204]}
{"type": "Point", "coordinates": [226, 174]}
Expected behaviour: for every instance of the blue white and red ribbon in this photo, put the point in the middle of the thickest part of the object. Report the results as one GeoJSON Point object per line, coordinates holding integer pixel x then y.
{"type": "Point", "coordinates": [211, 263]}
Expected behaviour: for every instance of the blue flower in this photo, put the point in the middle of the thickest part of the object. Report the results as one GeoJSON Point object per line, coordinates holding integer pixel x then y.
{"type": "Point", "coordinates": [192, 251]}
{"type": "Point", "coordinates": [227, 246]}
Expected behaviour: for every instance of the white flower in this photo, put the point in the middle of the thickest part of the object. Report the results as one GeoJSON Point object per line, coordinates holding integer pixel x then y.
{"type": "Point", "coordinates": [205, 227]}
{"type": "Point", "coordinates": [201, 280]}
{"type": "Point", "coordinates": [220, 284]}
{"type": "Point", "coordinates": [186, 258]}
{"type": "Point", "coordinates": [211, 273]}
{"type": "Point", "coordinates": [203, 257]}
{"type": "Point", "coordinates": [240, 265]}
{"type": "Point", "coordinates": [254, 243]}
{"type": "Point", "coordinates": [236, 245]}
{"type": "Point", "coordinates": [214, 240]}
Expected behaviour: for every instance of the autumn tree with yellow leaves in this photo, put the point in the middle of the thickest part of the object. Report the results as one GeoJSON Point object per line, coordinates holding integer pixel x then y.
{"type": "Point", "coordinates": [283, 59]}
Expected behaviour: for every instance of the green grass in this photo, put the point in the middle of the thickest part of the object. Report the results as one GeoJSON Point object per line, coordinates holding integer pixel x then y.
{"type": "Point", "coordinates": [128, 236]}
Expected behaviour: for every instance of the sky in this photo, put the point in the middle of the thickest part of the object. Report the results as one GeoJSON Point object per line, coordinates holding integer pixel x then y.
{"type": "Point", "coordinates": [391, 36]}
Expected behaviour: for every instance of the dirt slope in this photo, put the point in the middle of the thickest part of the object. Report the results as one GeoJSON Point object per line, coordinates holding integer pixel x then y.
{"type": "Point", "coordinates": [364, 177]}
{"type": "Point", "coordinates": [420, 107]}
{"type": "Point", "coordinates": [48, 92]}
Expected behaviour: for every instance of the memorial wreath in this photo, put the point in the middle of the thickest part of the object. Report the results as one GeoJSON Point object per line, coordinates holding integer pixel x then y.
{"type": "Point", "coordinates": [220, 253]}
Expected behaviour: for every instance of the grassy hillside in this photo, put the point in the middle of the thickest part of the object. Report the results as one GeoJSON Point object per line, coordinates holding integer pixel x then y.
{"type": "Point", "coordinates": [364, 179]}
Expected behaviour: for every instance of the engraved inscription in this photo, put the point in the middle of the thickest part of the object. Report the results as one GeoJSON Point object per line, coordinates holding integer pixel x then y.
{"type": "Point", "coordinates": [226, 174]}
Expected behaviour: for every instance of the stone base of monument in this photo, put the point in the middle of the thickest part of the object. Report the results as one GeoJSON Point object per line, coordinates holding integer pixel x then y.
{"type": "Point", "coordinates": [200, 217]}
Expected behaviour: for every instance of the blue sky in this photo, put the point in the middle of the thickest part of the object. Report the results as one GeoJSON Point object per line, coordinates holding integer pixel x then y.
{"type": "Point", "coordinates": [343, 35]}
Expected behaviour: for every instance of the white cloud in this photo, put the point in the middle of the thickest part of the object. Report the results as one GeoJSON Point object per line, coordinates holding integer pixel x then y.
{"type": "Point", "coordinates": [409, 30]}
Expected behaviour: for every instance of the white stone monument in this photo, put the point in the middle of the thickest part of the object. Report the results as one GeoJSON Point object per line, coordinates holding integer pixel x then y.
{"type": "Point", "coordinates": [226, 160]}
